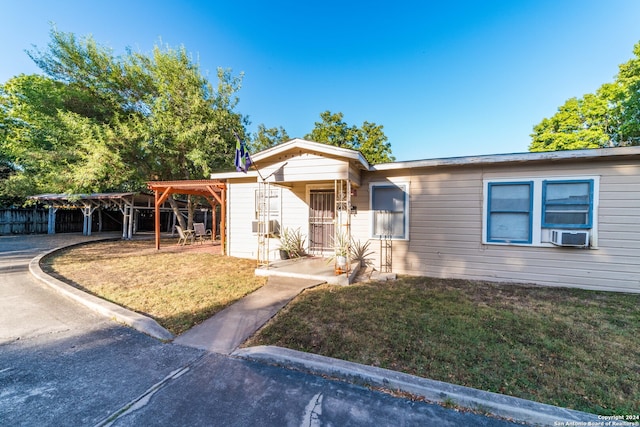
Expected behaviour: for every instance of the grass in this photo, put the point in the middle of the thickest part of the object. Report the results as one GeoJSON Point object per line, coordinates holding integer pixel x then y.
{"type": "Point", "coordinates": [571, 348]}
{"type": "Point", "coordinates": [179, 287]}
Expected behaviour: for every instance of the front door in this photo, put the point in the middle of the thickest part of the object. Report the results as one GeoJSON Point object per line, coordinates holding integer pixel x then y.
{"type": "Point", "coordinates": [321, 221]}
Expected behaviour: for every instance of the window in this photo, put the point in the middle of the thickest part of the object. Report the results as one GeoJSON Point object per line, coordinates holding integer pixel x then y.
{"type": "Point", "coordinates": [267, 202]}
{"type": "Point", "coordinates": [567, 204]}
{"type": "Point", "coordinates": [390, 210]}
{"type": "Point", "coordinates": [510, 212]}
{"type": "Point", "coordinates": [528, 211]}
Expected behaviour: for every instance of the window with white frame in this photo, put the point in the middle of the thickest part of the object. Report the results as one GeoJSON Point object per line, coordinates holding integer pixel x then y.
{"type": "Point", "coordinates": [390, 213]}
{"type": "Point", "coordinates": [267, 201]}
{"type": "Point", "coordinates": [527, 211]}
{"type": "Point", "coordinates": [510, 212]}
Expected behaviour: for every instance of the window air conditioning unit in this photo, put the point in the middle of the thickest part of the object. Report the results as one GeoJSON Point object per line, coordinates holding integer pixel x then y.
{"type": "Point", "coordinates": [272, 227]}
{"type": "Point", "coordinates": [575, 238]}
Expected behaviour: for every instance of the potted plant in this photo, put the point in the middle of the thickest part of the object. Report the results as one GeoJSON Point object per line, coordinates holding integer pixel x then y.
{"type": "Point", "coordinates": [292, 244]}
{"type": "Point", "coordinates": [341, 250]}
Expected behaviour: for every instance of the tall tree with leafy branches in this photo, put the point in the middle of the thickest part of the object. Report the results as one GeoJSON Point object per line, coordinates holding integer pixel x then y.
{"type": "Point", "coordinates": [369, 138]}
{"type": "Point", "coordinates": [608, 118]}
{"type": "Point", "coordinates": [267, 137]}
{"type": "Point", "coordinates": [100, 122]}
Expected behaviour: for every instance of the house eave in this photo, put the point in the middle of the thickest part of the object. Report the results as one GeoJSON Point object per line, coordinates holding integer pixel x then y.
{"type": "Point", "coordinates": [601, 153]}
{"type": "Point", "coordinates": [234, 175]}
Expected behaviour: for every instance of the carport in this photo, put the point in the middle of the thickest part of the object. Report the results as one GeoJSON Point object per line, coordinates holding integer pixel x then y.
{"type": "Point", "coordinates": [126, 203]}
{"type": "Point", "coordinates": [214, 191]}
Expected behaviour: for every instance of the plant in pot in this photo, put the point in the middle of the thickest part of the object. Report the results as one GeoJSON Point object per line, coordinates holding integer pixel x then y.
{"type": "Point", "coordinates": [341, 250]}
{"type": "Point", "coordinates": [292, 244]}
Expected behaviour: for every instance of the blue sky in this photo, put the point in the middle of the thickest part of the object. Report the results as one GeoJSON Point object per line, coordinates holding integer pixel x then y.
{"type": "Point", "coordinates": [447, 78]}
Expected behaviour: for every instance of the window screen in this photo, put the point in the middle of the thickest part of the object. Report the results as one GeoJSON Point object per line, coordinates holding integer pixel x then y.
{"type": "Point", "coordinates": [510, 207]}
{"type": "Point", "coordinates": [267, 202]}
{"type": "Point", "coordinates": [567, 204]}
{"type": "Point", "coordinates": [388, 204]}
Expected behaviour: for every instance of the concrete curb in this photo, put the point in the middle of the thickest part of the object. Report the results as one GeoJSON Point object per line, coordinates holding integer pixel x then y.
{"type": "Point", "coordinates": [519, 410]}
{"type": "Point", "coordinates": [113, 311]}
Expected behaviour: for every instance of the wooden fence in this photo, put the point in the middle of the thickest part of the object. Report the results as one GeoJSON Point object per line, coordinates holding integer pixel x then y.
{"type": "Point", "coordinates": [23, 221]}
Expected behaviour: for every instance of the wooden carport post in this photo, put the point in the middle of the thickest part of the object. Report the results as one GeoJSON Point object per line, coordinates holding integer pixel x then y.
{"type": "Point", "coordinates": [159, 200]}
{"type": "Point", "coordinates": [222, 199]}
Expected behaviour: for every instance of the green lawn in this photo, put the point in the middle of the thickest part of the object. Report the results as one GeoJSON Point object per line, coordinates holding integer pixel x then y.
{"type": "Point", "coordinates": [571, 348]}
{"type": "Point", "coordinates": [179, 287]}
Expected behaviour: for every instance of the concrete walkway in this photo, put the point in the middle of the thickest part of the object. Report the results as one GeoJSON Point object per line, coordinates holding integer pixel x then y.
{"type": "Point", "coordinates": [229, 328]}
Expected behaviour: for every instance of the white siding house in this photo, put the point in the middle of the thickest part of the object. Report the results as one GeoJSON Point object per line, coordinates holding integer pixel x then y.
{"type": "Point", "coordinates": [568, 218]}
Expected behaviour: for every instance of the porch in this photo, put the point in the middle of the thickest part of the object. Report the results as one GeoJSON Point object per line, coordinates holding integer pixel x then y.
{"type": "Point", "coordinates": [309, 268]}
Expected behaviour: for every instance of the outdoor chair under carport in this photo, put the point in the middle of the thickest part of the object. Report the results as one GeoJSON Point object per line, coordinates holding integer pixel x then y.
{"type": "Point", "coordinates": [201, 234]}
{"type": "Point", "coordinates": [184, 236]}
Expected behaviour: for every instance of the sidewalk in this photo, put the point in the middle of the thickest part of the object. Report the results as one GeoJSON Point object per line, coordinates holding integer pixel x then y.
{"type": "Point", "coordinates": [229, 328]}
{"type": "Point", "coordinates": [225, 331]}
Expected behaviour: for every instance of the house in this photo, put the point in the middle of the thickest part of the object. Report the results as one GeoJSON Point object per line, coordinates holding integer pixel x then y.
{"type": "Point", "coordinates": [569, 218]}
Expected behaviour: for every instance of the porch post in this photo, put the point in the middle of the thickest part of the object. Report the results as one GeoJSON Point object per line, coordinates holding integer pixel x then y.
{"type": "Point", "coordinates": [131, 220]}
{"type": "Point", "coordinates": [157, 219]}
{"type": "Point", "coordinates": [125, 219]}
{"type": "Point", "coordinates": [87, 212]}
{"type": "Point", "coordinates": [214, 217]}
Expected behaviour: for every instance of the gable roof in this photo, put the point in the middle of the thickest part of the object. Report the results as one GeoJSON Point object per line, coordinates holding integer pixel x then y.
{"type": "Point", "coordinates": [311, 146]}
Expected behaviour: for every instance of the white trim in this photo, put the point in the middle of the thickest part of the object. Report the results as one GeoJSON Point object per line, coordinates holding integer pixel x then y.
{"type": "Point", "coordinates": [540, 236]}
{"type": "Point", "coordinates": [234, 175]}
{"type": "Point", "coordinates": [407, 190]}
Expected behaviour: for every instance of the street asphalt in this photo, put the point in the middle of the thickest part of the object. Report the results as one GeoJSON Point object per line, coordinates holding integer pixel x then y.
{"type": "Point", "coordinates": [66, 362]}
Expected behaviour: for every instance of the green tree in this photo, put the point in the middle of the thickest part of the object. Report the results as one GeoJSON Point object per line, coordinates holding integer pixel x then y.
{"type": "Point", "coordinates": [98, 122]}
{"type": "Point", "coordinates": [109, 85]}
{"type": "Point", "coordinates": [373, 143]}
{"type": "Point", "coordinates": [267, 137]}
{"type": "Point", "coordinates": [190, 125]}
{"type": "Point", "coordinates": [608, 118]}
{"type": "Point", "coordinates": [626, 96]}
{"type": "Point", "coordinates": [578, 124]}
{"type": "Point", "coordinates": [7, 170]}
{"type": "Point", "coordinates": [369, 139]}
{"type": "Point", "coordinates": [35, 141]}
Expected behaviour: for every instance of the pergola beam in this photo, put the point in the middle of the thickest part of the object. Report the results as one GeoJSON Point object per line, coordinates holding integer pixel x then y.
{"type": "Point", "coordinates": [212, 190]}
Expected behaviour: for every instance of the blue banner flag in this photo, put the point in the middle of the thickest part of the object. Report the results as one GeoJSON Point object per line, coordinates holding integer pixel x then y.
{"type": "Point", "coordinates": [243, 161]}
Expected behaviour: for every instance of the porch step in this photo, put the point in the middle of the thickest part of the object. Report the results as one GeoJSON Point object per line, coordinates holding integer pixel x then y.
{"type": "Point", "coordinates": [308, 268]}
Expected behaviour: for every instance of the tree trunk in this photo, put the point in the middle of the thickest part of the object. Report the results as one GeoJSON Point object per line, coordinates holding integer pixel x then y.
{"type": "Point", "coordinates": [177, 212]}
{"type": "Point", "coordinates": [191, 207]}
